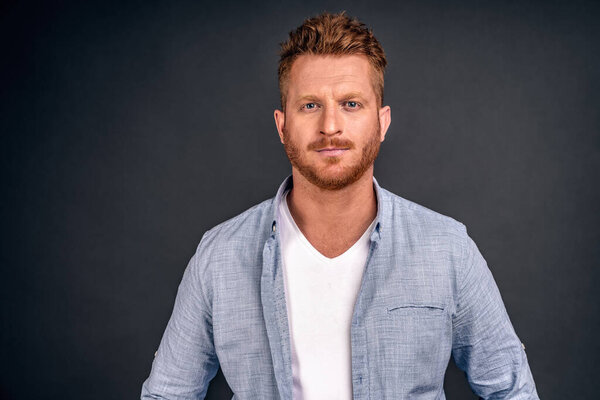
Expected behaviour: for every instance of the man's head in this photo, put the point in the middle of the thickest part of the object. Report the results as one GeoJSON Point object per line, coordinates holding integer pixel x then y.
{"type": "Point", "coordinates": [331, 81]}
{"type": "Point", "coordinates": [331, 34]}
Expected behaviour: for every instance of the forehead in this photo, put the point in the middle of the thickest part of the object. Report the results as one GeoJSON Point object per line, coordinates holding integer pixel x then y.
{"type": "Point", "coordinates": [325, 73]}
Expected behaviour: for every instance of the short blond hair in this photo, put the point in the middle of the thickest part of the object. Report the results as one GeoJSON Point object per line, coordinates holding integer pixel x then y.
{"type": "Point", "coordinates": [332, 34]}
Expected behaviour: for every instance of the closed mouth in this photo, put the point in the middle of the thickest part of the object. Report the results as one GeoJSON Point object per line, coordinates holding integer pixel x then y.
{"type": "Point", "coordinates": [333, 149]}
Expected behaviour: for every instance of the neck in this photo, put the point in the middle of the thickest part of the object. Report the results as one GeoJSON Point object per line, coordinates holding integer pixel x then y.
{"type": "Point", "coordinates": [347, 210]}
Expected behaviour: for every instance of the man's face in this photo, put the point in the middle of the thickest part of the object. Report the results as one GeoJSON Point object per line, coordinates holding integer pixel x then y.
{"type": "Point", "coordinates": [332, 126]}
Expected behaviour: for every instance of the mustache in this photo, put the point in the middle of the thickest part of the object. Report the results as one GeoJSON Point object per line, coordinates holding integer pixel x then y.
{"type": "Point", "coordinates": [331, 142]}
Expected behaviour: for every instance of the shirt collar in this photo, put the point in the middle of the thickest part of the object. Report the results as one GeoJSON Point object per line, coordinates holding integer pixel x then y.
{"type": "Point", "coordinates": [287, 185]}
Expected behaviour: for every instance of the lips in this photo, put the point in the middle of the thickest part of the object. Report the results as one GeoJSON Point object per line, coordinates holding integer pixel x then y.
{"type": "Point", "coordinates": [332, 151]}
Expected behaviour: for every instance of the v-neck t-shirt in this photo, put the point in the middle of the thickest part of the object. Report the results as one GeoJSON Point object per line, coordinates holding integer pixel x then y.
{"type": "Point", "coordinates": [320, 296]}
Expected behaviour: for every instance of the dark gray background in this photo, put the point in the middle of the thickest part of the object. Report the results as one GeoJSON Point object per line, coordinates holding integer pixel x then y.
{"type": "Point", "coordinates": [128, 130]}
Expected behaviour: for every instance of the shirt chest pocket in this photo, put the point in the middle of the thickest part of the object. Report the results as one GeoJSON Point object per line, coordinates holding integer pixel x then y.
{"type": "Point", "coordinates": [412, 340]}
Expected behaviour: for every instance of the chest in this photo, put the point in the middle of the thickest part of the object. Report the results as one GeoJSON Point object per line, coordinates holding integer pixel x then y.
{"type": "Point", "coordinates": [400, 318]}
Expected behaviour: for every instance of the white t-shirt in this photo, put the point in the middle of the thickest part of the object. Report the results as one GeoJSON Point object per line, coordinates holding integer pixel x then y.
{"type": "Point", "coordinates": [320, 296]}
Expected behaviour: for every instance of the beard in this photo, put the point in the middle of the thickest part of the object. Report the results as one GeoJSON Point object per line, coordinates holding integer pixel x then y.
{"type": "Point", "coordinates": [348, 174]}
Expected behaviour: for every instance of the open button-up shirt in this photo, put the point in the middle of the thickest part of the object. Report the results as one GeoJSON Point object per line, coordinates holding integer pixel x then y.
{"type": "Point", "coordinates": [426, 294]}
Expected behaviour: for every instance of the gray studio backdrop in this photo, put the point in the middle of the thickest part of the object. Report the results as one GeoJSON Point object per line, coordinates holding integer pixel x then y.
{"type": "Point", "coordinates": [129, 129]}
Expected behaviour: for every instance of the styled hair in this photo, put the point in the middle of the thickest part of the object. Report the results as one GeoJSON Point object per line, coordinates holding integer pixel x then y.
{"type": "Point", "coordinates": [331, 34]}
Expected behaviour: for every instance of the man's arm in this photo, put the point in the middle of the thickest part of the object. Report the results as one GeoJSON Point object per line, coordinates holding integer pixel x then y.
{"type": "Point", "coordinates": [186, 360]}
{"type": "Point", "coordinates": [485, 345]}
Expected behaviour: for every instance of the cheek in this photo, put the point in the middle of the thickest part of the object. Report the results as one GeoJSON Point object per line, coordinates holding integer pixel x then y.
{"type": "Point", "coordinates": [292, 137]}
{"type": "Point", "coordinates": [362, 128]}
{"type": "Point", "coordinates": [298, 131]}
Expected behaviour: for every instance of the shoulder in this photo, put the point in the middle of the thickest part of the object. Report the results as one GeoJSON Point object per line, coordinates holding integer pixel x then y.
{"type": "Point", "coordinates": [421, 223]}
{"type": "Point", "coordinates": [252, 225]}
{"type": "Point", "coordinates": [437, 243]}
{"type": "Point", "coordinates": [235, 242]}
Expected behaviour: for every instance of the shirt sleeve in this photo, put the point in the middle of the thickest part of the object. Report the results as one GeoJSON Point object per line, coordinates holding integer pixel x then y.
{"type": "Point", "coordinates": [186, 360]}
{"type": "Point", "coordinates": [484, 343]}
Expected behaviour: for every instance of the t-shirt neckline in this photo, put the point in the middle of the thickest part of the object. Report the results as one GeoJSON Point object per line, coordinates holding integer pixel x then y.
{"type": "Point", "coordinates": [348, 253]}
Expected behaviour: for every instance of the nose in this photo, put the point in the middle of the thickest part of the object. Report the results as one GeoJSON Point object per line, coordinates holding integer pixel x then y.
{"type": "Point", "coordinates": [331, 122]}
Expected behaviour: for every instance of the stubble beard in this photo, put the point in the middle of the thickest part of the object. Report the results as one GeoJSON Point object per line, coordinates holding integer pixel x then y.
{"type": "Point", "coordinates": [339, 180]}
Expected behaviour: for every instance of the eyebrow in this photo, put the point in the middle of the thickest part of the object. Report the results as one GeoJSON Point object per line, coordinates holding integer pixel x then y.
{"type": "Point", "coordinates": [354, 95]}
{"type": "Point", "coordinates": [345, 97]}
{"type": "Point", "coordinates": [307, 97]}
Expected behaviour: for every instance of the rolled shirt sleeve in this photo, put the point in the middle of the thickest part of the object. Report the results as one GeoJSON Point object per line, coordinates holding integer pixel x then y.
{"type": "Point", "coordinates": [485, 345]}
{"type": "Point", "coordinates": [186, 360]}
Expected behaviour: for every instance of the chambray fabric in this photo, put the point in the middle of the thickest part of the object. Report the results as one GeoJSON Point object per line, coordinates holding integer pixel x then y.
{"type": "Point", "coordinates": [426, 294]}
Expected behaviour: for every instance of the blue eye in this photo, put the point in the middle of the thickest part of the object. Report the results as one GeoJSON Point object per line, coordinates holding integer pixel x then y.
{"type": "Point", "coordinates": [310, 106]}
{"type": "Point", "coordinates": [352, 104]}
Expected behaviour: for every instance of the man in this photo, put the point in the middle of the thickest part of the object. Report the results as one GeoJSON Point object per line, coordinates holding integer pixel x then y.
{"type": "Point", "coordinates": [336, 288]}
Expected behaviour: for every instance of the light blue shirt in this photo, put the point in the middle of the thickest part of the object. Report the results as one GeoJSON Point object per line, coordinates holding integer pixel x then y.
{"type": "Point", "coordinates": [426, 294]}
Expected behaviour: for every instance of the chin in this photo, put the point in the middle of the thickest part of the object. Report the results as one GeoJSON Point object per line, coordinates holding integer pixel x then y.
{"type": "Point", "coordinates": [333, 180]}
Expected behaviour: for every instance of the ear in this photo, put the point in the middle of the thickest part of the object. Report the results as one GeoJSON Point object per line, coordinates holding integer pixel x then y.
{"type": "Point", "coordinates": [385, 119]}
{"type": "Point", "coordinates": [279, 122]}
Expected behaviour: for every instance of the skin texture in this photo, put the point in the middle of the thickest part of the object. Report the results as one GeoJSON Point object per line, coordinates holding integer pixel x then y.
{"type": "Point", "coordinates": [331, 130]}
